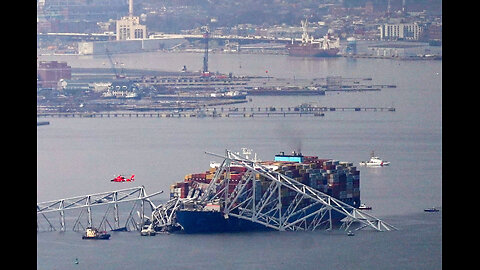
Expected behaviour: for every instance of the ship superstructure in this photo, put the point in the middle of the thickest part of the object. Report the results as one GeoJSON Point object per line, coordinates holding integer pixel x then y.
{"type": "Point", "coordinates": [327, 46]}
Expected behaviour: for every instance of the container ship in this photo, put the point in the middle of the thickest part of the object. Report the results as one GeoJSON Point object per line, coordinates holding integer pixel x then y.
{"type": "Point", "coordinates": [328, 46]}
{"type": "Point", "coordinates": [340, 180]}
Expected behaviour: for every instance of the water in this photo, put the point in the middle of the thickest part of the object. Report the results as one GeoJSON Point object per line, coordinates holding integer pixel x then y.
{"type": "Point", "coordinates": [265, 250]}
{"type": "Point", "coordinates": [78, 156]}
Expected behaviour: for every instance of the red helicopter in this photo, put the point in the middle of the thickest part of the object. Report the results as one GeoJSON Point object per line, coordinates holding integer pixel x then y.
{"type": "Point", "coordinates": [122, 178]}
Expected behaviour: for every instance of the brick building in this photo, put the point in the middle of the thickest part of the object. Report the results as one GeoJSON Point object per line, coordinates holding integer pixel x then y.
{"type": "Point", "coordinates": [49, 73]}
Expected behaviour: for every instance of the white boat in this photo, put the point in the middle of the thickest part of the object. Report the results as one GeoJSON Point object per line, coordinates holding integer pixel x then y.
{"type": "Point", "coordinates": [375, 161]}
{"type": "Point", "coordinates": [147, 230]}
{"type": "Point", "coordinates": [364, 207]}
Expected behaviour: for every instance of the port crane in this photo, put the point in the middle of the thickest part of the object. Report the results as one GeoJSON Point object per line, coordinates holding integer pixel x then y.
{"type": "Point", "coordinates": [206, 36]}
{"type": "Point", "coordinates": [117, 75]}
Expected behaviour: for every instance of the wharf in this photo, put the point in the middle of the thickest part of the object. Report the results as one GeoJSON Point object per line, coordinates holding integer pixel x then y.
{"type": "Point", "coordinates": [172, 115]}
{"type": "Point", "coordinates": [221, 112]}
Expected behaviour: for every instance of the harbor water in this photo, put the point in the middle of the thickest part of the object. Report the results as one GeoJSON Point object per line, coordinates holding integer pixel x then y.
{"type": "Point", "coordinates": [78, 156]}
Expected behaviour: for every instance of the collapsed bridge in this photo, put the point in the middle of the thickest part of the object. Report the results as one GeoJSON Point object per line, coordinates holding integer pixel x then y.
{"type": "Point", "coordinates": [118, 210]}
{"type": "Point", "coordinates": [271, 208]}
{"type": "Point", "coordinates": [278, 202]}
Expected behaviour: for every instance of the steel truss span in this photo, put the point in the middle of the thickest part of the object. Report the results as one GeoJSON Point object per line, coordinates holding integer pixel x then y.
{"type": "Point", "coordinates": [309, 210]}
{"type": "Point", "coordinates": [81, 210]}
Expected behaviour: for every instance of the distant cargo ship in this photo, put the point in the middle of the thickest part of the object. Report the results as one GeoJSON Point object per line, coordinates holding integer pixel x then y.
{"type": "Point", "coordinates": [328, 46]}
{"type": "Point", "coordinates": [340, 180]}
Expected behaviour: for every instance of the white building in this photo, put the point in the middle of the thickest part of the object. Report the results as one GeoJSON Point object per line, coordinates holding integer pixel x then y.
{"type": "Point", "coordinates": [403, 31]}
{"type": "Point", "coordinates": [129, 27]}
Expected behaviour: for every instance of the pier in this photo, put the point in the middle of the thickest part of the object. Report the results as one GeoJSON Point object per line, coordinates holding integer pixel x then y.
{"type": "Point", "coordinates": [219, 112]}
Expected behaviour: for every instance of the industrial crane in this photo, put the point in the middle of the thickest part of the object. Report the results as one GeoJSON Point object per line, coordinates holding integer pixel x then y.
{"type": "Point", "coordinates": [117, 75]}
{"type": "Point", "coordinates": [205, 57]}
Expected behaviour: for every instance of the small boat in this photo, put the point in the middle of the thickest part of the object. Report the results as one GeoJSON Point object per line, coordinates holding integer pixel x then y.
{"type": "Point", "coordinates": [92, 233]}
{"type": "Point", "coordinates": [147, 230]}
{"type": "Point", "coordinates": [350, 233]}
{"type": "Point", "coordinates": [431, 209]}
{"type": "Point", "coordinates": [375, 161]}
{"type": "Point", "coordinates": [364, 207]}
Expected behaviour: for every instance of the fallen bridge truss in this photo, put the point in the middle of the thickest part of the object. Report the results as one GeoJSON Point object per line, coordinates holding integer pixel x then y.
{"type": "Point", "coordinates": [309, 209]}
{"type": "Point", "coordinates": [106, 208]}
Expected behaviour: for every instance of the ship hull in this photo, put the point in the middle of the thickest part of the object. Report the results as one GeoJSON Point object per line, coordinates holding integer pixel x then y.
{"type": "Point", "coordinates": [311, 51]}
{"type": "Point", "coordinates": [97, 237]}
{"type": "Point", "coordinates": [214, 222]}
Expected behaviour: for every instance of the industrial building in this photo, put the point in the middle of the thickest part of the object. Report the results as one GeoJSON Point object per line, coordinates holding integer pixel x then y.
{"type": "Point", "coordinates": [403, 50]}
{"type": "Point", "coordinates": [128, 46]}
{"type": "Point", "coordinates": [400, 31]}
{"type": "Point", "coordinates": [129, 27]}
{"type": "Point", "coordinates": [49, 73]}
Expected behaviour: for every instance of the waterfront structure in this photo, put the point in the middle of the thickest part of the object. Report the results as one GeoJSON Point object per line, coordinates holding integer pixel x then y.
{"type": "Point", "coordinates": [351, 46]}
{"type": "Point", "coordinates": [401, 50]}
{"type": "Point", "coordinates": [49, 73]}
{"type": "Point", "coordinates": [127, 46]}
{"type": "Point", "coordinates": [405, 31]}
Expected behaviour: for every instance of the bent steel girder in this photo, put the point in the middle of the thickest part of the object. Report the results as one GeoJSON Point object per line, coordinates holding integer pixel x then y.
{"type": "Point", "coordinates": [87, 203]}
{"type": "Point", "coordinates": [309, 210]}
{"type": "Point", "coordinates": [164, 214]}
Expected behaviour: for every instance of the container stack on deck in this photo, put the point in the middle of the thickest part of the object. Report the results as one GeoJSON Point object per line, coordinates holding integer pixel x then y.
{"type": "Point", "coordinates": [335, 178]}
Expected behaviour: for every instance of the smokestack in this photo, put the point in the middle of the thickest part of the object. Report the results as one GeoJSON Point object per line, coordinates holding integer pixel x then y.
{"type": "Point", "coordinates": [130, 8]}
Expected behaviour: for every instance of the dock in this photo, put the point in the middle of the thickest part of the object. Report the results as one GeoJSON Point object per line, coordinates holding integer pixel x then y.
{"type": "Point", "coordinates": [219, 112]}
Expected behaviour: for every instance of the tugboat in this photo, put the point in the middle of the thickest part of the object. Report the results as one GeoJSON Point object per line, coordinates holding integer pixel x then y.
{"type": "Point", "coordinates": [375, 161]}
{"type": "Point", "coordinates": [364, 207]}
{"type": "Point", "coordinates": [92, 233]}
